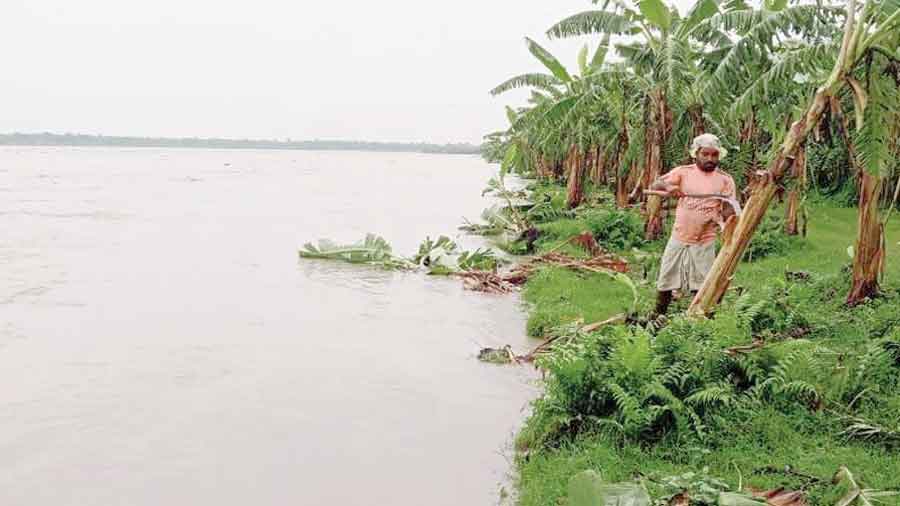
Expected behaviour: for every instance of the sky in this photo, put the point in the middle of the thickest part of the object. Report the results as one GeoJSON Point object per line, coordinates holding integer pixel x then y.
{"type": "Point", "coordinates": [394, 70]}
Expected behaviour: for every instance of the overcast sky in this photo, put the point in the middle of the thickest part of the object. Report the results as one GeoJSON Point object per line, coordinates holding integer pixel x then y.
{"type": "Point", "coordinates": [392, 70]}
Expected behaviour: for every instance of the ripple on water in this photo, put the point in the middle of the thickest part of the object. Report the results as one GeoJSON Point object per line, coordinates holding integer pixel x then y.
{"type": "Point", "coordinates": [359, 278]}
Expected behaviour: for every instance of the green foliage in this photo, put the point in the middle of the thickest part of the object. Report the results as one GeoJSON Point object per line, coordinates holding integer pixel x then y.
{"type": "Point", "coordinates": [534, 80]}
{"type": "Point", "coordinates": [441, 256]}
{"type": "Point", "coordinates": [700, 487]}
{"type": "Point", "coordinates": [769, 240]}
{"type": "Point", "coordinates": [822, 391]}
{"type": "Point", "coordinates": [510, 213]}
{"type": "Point", "coordinates": [855, 494]}
{"type": "Point", "coordinates": [431, 250]}
{"type": "Point", "coordinates": [656, 12]}
{"type": "Point", "coordinates": [635, 386]}
{"type": "Point", "coordinates": [830, 172]}
{"type": "Point", "coordinates": [773, 313]}
{"type": "Point", "coordinates": [548, 60]}
{"type": "Point", "coordinates": [481, 259]}
{"type": "Point", "coordinates": [615, 229]}
{"type": "Point", "coordinates": [371, 250]}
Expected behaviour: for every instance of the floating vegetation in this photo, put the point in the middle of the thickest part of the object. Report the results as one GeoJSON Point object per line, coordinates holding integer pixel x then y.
{"type": "Point", "coordinates": [373, 250]}
{"type": "Point", "coordinates": [441, 256]}
{"type": "Point", "coordinates": [503, 355]}
{"type": "Point", "coordinates": [477, 268]}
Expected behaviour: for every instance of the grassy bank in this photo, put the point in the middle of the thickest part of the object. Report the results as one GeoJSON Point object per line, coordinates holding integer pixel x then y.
{"type": "Point", "coordinates": [817, 391]}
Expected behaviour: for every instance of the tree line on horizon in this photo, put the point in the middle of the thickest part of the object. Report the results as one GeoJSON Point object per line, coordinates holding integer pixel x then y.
{"type": "Point", "coordinates": [69, 139]}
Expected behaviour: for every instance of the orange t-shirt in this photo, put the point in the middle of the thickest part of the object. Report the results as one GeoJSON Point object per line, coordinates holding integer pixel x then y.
{"type": "Point", "coordinates": [696, 220]}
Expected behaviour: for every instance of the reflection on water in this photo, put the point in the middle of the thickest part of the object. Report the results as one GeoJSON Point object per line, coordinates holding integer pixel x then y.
{"type": "Point", "coordinates": [160, 342]}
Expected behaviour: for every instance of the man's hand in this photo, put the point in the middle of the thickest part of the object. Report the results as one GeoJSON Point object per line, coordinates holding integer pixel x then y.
{"type": "Point", "coordinates": [669, 190]}
{"type": "Point", "coordinates": [727, 211]}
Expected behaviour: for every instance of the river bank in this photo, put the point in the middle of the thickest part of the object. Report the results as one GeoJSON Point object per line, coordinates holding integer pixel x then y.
{"type": "Point", "coordinates": [782, 388]}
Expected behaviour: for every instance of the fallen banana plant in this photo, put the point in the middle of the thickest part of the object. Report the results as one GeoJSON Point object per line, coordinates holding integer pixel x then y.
{"type": "Point", "coordinates": [856, 494]}
{"type": "Point", "coordinates": [563, 334]}
{"type": "Point", "coordinates": [485, 281]}
{"type": "Point", "coordinates": [373, 250]}
{"type": "Point", "coordinates": [494, 282]}
{"type": "Point", "coordinates": [441, 256]}
{"type": "Point", "coordinates": [561, 337]}
{"type": "Point", "coordinates": [867, 430]}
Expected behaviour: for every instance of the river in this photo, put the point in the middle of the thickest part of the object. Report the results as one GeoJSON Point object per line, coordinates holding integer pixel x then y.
{"type": "Point", "coordinates": [162, 344]}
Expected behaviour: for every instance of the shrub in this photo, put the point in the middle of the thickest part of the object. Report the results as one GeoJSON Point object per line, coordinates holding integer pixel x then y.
{"type": "Point", "coordinates": [615, 229]}
{"type": "Point", "coordinates": [681, 385]}
{"type": "Point", "coordinates": [770, 240]}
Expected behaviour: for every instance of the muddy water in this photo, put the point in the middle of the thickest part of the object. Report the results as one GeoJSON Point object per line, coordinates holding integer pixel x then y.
{"type": "Point", "coordinates": [160, 342]}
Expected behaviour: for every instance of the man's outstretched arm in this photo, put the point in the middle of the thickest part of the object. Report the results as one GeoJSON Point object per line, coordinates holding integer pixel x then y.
{"type": "Point", "coordinates": [664, 185]}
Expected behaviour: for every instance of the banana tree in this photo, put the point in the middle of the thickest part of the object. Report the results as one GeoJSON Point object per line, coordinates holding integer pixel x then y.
{"type": "Point", "coordinates": [869, 29]}
{"type": "Point", "coordinates": [766, 77]}
{"type": "Point", "coordinates": [664, 50]}
{"type": "Point", "coordinates": [877, 104]}
{"type": "Point", "coordinates": [571, 122]}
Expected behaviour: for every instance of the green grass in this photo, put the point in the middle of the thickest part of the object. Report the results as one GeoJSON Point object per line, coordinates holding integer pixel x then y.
{"type": "Point", "coordinates": [558, 295]}
{"type": "Point", "coordinates": [831, 231]}
{"type": "Point", "coordinates": [742, 443]}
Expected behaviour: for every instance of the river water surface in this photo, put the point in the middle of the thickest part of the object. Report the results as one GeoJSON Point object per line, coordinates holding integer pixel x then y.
{"type": "Point", "coordinates": [161, 343]}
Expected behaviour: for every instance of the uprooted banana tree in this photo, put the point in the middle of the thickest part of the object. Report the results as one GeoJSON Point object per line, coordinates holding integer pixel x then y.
{"type": "Point", "coordinates": [441, 256]}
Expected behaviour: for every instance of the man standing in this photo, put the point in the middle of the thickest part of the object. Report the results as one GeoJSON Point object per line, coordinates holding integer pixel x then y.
{"type": "Point", "coordinates": [690, 252]}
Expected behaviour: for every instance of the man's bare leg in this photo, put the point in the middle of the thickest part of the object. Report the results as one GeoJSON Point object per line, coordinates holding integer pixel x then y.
{"type": "Point", "coordinates": [663, 299]}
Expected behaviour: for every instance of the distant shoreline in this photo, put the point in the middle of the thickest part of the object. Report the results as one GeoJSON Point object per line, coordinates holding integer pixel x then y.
{"type": "Point", "coordinates": [51, 139]}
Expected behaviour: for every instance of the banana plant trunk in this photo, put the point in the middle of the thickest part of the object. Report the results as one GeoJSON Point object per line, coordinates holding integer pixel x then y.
{"type": "Point", "coordinates": [869, 250]}
{"type": "Point", "coordinates": [698, 123]}
{"type": "Point", "coordinates": [795, 196]}
{"type": "Point", "coordinates": [575, 184]}
{"type": "Point", "coordinates": [558, 170]}
{"type": "Point", "coordinates": [618, 163]}
{"type": "Point", "coordinates": [656, 137]}
{"type": "Point", "coordinates": [868, 253]}
{"type": "Point", "coordinates": [599, 169]}
{"type": "Point", "coordinates": [540, 168]}
{"type": "Point", "coordinates": [631, 184]}
{"type": "Point", "coordinates": [621, 190]}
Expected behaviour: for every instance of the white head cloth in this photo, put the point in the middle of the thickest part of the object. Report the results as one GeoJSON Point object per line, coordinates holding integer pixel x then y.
{"type": "Point", "coordinates": [707, 141]}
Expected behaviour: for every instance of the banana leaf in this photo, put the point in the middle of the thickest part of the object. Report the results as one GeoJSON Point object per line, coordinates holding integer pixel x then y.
{"type": "Point", "coordinates": [372, 250]}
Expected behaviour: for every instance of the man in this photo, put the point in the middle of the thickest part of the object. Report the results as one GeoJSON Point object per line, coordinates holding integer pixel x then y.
{"type": "Point", "coordinates": [690, 252]}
